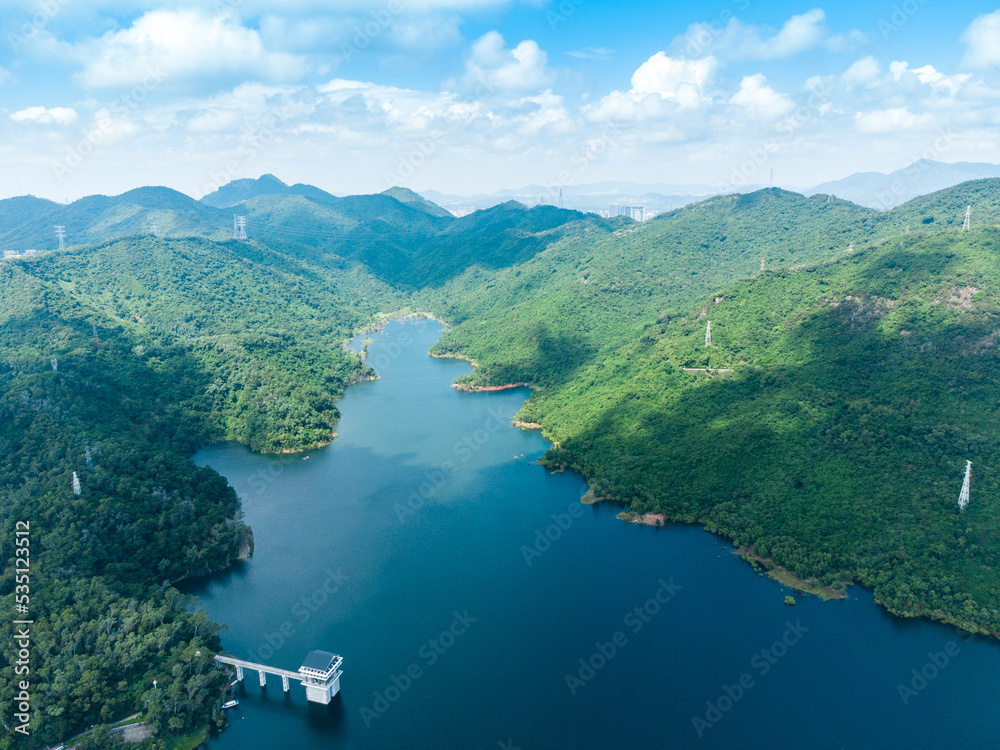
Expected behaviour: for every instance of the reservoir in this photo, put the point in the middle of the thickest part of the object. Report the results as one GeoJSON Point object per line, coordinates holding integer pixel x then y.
{"type": "Point", "coordinates": [478, 604]}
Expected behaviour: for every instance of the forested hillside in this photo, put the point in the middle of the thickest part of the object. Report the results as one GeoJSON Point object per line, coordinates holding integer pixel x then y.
{"type": "Point", "coordinates": [195, 341]}
{"type": "Point", "coordinates": [846, 376]}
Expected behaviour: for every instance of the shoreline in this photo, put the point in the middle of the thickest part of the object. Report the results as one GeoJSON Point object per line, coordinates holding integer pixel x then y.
{"type": "Point", "coordinates": [786, 577]}
{"type": "Point", "coordinates": [462, 357]}
{"type": "Point", "coordinates": [466, 388]}
{"type": "Point", "coordinates": [761, 564]}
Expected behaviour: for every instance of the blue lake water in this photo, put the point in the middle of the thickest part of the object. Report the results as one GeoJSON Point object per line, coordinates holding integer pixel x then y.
{"type": "Point", "coordinates": [463, 587]}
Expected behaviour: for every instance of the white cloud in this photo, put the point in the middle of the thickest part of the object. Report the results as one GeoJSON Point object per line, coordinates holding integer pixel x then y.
{"type": "Point", "coordinates": [182, 44]}
{"type": "Point", "coordinates": [673, 78]}
{"type": "Point", "coordinates": [739, 41]}
{"type": "Point", "coordinates": [863, 72]}
{"type": "Point", "coordinates": [389, 107]}
{"type": "Point", "coordinates": [660, 87]}
{"type": "Point", "coordinates": [982, 39]}
{"type": "Point", "coordinates": [759, 100]}
{"type": "Point", "coordinates": [548, 115]}
{"type": "Point", "coordinates": [490, 66]}
{"type": "Point", "coordinates": [46, 116]}
{"type": "Point", "coordinates": [928, 75]}
{"type": "Point", "coordinates": [889, 120]}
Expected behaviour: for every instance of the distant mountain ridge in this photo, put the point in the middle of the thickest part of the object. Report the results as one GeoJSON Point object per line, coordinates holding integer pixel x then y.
{"type": "Point", "coordinates": [884, 191]}
{"type": "Point", "coordinates": [238, 191]}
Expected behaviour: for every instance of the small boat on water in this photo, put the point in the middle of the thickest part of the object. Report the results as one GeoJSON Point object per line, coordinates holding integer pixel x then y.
{"type": "Point", "coordinates": [231, 704]}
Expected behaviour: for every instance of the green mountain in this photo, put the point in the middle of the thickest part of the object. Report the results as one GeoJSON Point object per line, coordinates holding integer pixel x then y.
{"type": "Point", "coordinates": [159, 346]}
{"type": "Point", "coordinates": [405, 195]}
{"type": "Point", "coordinates": [238, 191]}
{"type": "Point", "coordinates": [847, 372]}
{"type": "Point", "coordinates": [99, 218]}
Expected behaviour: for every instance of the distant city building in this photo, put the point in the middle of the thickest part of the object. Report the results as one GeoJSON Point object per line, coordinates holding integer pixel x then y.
{"type": "Point", "coordinates": [622, 209]}
{"type": "Point", "coordinates": [460, 211]}
{"type": "Point", "coordinates": [11, 254]}
{"type": "Point", "coordinates": [30, 251]}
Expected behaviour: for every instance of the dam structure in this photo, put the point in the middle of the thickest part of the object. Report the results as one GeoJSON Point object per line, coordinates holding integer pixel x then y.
{"type": "Point", "coordinates": [319, 674]}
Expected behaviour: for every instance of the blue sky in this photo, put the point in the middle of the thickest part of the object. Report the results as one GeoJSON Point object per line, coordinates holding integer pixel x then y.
{"type": "Point", "coordinates": [477, 95]}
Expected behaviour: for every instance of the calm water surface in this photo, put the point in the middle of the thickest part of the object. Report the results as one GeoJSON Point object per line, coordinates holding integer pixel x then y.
{"type": "Point", "coordinates": [415, 546]}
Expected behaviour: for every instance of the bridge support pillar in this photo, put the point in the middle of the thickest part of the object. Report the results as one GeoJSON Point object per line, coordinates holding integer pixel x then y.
{"type": "Point", "coordinates": [263, 678]}
{"type": "Point", "coordinates": [239, 673]}
{"type": "Point", "coordinates": [284, 682]}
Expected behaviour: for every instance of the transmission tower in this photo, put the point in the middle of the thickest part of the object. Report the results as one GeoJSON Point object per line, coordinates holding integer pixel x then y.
{"type": "Point", "coordinates": [708, 334]}
{"type": "Point", "coordinates": [76, 484]}
{"type": "Point", "coordinates": [560, 198]}
{"type": "Point", "coordinates": [55, 365]}
{"type": "Point", "coordinates": [850, 248]}
{"type": "Point", "coordinates": [154, 229]}
{"type": "Point", "coordinates": [772, 177]}
{"type": "Point", "coordinates": [61, 235]}
{"type": "Point", "coordinates": [963, 497]}
{"type": "Point", "coordinates": [239, 227]}
{"type": "Point", "coordinates": [968, 217]}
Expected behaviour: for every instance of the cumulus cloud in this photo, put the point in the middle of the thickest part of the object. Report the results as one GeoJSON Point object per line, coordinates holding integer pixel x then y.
{"type": "Point", "coordinates": [889, 120]}
{"type": "Point", "coordinates": [672, 78]}
{"type": "Point", "coordinates": [928, 75]}
{"type": "Point", "coordinates": [982, 41]}
{"type": "Point", "coordinates": [660, 86]}
{"type": "Point", "coordinates": [182, 44]}
{"type": "Point", "coordinates": [491, 66]}
{"type": "Point", "coordinates": [46, 116]}
{"type": "Point", "coordinates": [740, 41]}
{"type": "Point", "coordinates": [756, 99]}
{"type": "Point", "coordinates": [863, 72]}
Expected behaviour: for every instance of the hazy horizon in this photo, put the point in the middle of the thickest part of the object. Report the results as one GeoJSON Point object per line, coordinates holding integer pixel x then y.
{"type": "Point", "coordinates": [475, 96]}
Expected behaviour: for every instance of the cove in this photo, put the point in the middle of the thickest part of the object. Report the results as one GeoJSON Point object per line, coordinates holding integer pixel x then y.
{"type": "Point", "coordinates": [478, 604]}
